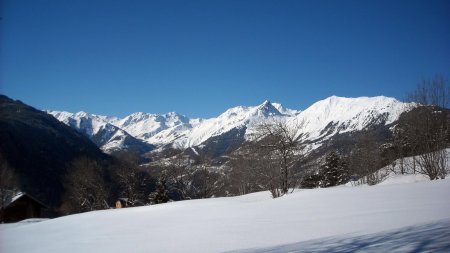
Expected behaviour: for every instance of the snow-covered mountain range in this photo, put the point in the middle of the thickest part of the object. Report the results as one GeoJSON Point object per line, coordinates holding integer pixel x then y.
{"type": "Point", "coordinates": [322, 120]}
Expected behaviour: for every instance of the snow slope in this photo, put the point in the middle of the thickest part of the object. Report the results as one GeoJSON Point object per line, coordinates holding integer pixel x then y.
{"type": "Point", "coordinates": [89, 124]}
{"type": "Point", "coordinates": [320, 121]}
{"type": "Point", "coordinates": [154, 128]}
{"type": "Point", "coordinates": [100, 130]}
{"type": "Point", "coordinates": [381, 218]}
{"type": "Point", "coordinates": [428, 237]}
{"type": "Point", "coordinates": [236, 117]}
{"type": "Point", "coordinates": [340, 115]}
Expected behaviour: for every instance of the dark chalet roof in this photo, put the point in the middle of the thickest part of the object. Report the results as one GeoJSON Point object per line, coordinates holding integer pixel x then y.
{"type": "Point", "coordinates": [11, 197]}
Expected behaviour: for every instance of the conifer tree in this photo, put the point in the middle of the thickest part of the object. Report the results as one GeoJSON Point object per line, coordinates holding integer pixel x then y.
{"type": "Point", "coordinates": [343, 172]}
{"type": "Point", "coordinates": [334, 171]}
{"type": "Point", "coordinates": [161, 194]}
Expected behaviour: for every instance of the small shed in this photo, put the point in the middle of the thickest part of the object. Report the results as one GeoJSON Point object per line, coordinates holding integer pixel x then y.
{"type": "Point", "coordinates": [125, 202]}
{"type": "Point", "coordinates": [20, 206]}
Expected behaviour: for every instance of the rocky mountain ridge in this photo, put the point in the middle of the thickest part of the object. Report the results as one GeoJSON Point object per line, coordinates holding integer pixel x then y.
{"type": "Point", "coordinates": [319, 122]}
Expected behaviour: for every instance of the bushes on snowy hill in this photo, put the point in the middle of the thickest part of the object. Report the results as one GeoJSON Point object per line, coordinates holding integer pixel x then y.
{"type": "Point", "coordinates": [425, 129]}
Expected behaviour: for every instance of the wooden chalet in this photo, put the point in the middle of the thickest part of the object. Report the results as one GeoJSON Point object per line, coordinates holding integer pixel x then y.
{"type": "Point", "coordinates": [19, 206]}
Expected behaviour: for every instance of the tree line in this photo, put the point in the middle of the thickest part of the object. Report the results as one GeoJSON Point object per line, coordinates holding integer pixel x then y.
{"type": "Point", "coordinates": [275, 160]}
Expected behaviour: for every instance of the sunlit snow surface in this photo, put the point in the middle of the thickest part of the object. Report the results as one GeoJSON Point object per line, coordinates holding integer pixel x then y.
{"type": "Point", "coordinates": [411, 217]}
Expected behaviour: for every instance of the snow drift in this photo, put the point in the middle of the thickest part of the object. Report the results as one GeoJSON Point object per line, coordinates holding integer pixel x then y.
{"type": "Point", "coordinates": [375, 217]}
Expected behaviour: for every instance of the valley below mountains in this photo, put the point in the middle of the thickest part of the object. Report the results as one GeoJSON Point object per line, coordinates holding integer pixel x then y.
{"type": "Point", "coordinates": [150, 158]}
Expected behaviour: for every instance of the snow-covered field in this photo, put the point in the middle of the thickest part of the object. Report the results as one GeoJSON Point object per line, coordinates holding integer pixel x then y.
{"type": "Point", "coordinates": [402, 215]}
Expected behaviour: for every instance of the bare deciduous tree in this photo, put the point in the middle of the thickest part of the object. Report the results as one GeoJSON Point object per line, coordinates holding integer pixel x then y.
{"type": "Point", "coordinates": [426, 128]}
{"type": "Point", "coordinates": [187, 178]}
{"type": "Point", "coordinates": [432, 92]}
{"type": "Point", "coordinates": [179, 175]}
{"type": "Point", "coordinates": [246, 173]}
{"type": "Point", "coordinates": [365, 159]}
{"type": "Point", "coordinates": [277, 145]}
{"type": "Point", "coordinates": [206, 182]}
{"type": "Point", "coordinates": [85, 186]}
{"type": "Point", "coordinates": [131, 179]}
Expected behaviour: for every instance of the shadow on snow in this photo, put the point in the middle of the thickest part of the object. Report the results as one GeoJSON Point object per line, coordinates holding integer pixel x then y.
{"type": "Point", "coordinates": [431, 237]}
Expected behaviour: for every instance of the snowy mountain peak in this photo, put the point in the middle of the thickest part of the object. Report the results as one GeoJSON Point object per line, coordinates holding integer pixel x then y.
{"type": "Point", "coordinates": [340, 114]}
{"type": "Point", "coordinates": [285, 111]}
{"type": "Point", "coordinates": [333, 100]}
{"type": "Point", "coordinates": [267, 109]}
{"type": "Point", "coordinates": [173, 118]}
{"type": "Point", "coordinates": [82, 114]}
{"type": "Point", "coordinates": [338, 104]}
{"type": "Point", "coordinates": [266, 102]}
{"type": "Point", "coordinates": [322, 120]}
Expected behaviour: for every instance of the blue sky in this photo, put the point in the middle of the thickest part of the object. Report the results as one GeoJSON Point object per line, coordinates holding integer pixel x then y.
{"type": "Point", "coordinates": [199, 58]}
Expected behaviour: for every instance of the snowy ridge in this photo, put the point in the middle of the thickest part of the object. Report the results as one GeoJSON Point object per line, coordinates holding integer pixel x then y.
{"type": "Point", "coordinates": [284, 110]}
{"type": "Point", "coordinates": [107, 136]}
{"type": "Point", "coordinates": [235, 117]}
{"type": "Point", "coordinates": [340, 115]}
{"type": "Point", "coordinates": [88, 123]}
{"type": "Point", "coordinates": [154, 128]}
{"type": "Point", "coordinates": [321, 120]}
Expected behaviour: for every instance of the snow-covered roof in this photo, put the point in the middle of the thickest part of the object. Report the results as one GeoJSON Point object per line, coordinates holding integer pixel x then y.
{"type": "Point", "coordinates": [11, 197]}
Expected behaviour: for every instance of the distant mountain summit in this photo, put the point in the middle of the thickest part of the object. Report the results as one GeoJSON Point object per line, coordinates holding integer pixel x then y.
{"type": "Point", "coordinates": [337, 115]}
{"type": "Point", "coordinates": [102, 132]}
{"type": "Point", "coordinates": [154, 128]}
{"type": "Point", "coordinates": [321, 121]}
{"type": "Point", "coordinates": [266, 109]}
